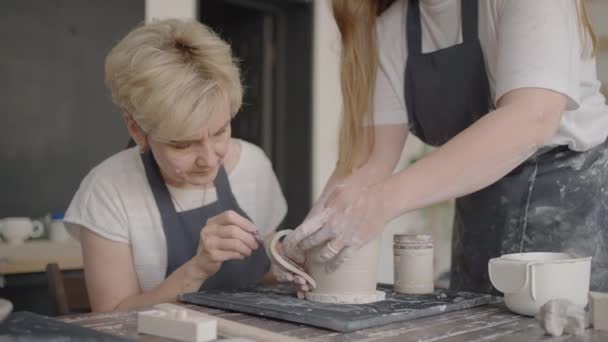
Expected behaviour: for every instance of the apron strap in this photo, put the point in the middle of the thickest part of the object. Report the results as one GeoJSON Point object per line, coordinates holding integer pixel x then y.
{"type": "Point", "coordinates": [222, 186]}
{"type": "Point", "coordinates": [414, 28]}
{"type": "Point", "coordinates": [163, 196]}
{"type": "Point", "coordinates": [469, 16]}
{"type": "Point", "coordinates": [160, 191]}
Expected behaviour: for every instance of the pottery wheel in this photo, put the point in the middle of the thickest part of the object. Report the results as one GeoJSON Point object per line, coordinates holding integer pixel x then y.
{"type": "Point", "coordinates": [346, 298]}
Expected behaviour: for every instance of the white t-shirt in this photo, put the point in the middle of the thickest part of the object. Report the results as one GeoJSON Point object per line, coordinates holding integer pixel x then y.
{"type": "Point", "coordinates": [526, 43]}
{"type": "Point", "coordinates": [115, 201]}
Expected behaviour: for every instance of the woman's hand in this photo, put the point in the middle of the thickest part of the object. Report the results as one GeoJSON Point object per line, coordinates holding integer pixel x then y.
{"type": "Point", "coordinates": [352, 216]}
{"type": "Point", "coordinates": [283, 275]}
{"type": "Point", "coordinates": [227, 236]}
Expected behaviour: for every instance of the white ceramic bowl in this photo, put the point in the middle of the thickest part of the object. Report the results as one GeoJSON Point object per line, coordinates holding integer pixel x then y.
{"type": "Point", "coordinates": [5, 308]}
{"type": "Point", "coordinates": [529, 280]}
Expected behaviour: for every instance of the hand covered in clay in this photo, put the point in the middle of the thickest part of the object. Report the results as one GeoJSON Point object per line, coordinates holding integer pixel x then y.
{"type": "Point", "coordinates": [314, 221]}
{"type": "Point", "coordinates": [352, 216]}
{"type": "Point", "coordinates": [282, 274]}
{"type": "Point", "coordinates": [227, 236]}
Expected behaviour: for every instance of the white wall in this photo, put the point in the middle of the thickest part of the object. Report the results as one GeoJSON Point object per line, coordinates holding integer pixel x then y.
{"type": "Point", "coordinates": [327, 97]}
{"type": "Point", "coordinates": [598, 10]}
{"type": "Point", "coordinates": [160, 9]}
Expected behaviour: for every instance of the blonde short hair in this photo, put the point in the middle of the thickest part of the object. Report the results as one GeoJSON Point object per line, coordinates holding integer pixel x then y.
{"type": "Point", "coordinates": [171, 75]}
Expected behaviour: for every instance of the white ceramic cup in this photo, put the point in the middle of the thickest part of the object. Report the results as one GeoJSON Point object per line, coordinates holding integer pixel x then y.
{"type": "Point", "coordinates": [15, 230]}
{"type": "Point", "coordinates": [57, 231]}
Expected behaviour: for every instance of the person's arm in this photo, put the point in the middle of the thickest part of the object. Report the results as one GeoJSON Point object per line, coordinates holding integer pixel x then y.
{"type": "Point", "coordinates": [388, 145]}
{"type": "Point", "coordinates": [110, 275]}
{"type": "Point", "coordinates": [111, 280]}
{"type": "Point", "coordinates": [477, 157]}
{"type": "Point", "coordinates": [480, 155]}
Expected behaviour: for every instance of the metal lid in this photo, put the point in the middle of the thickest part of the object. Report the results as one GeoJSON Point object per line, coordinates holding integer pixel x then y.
{"type": "Point", "coordinates": [412, 239]}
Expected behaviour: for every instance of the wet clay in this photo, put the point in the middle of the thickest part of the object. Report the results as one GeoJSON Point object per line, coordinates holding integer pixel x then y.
{"type": "Point", "coordinates": [354, 282]}
{"type": "Point", "coordinates": [287, 263]}
{"type": "Point", "coordinates": [560, 315]}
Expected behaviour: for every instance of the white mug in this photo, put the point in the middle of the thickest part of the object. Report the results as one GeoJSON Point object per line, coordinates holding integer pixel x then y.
{"type": "Point", "coordinates": [16, 230]}
{"type": "Point", "coordinates": [57, 231]}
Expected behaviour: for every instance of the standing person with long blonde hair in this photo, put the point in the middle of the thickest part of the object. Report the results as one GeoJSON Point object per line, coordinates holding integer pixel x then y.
{"type": "Point", "coordinates": [507, 91]}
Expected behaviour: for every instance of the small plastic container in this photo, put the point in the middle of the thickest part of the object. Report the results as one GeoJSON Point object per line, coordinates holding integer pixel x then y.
{"type": "Point", "coordinates": [413, 260]}
{"type": "Point", "coordinates": [57, 230]}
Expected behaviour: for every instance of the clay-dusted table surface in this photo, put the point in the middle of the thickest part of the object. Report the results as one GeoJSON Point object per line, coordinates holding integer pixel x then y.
{"type": "Point", "coordinates": [485, 323]}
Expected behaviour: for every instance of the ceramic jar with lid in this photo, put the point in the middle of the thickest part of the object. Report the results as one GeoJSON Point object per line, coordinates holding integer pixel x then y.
{"type": "Point", "coordinates": [413, 260]}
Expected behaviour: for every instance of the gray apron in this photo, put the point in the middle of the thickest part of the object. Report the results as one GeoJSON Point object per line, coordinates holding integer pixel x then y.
{"type": "Point", "coordinates": [182, 231]}
{"type": "Point", "coordinates": [556, 201]}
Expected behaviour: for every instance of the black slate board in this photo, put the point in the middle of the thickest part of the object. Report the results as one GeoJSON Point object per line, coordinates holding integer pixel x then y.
{"type": "Point", "coordinates": [30, 327]}
{"type": "Point", "coordinates": [281, 303]}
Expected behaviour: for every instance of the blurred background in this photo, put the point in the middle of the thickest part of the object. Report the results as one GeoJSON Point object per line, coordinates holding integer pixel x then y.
{"type": "Point", "coordinates": [58, 120]}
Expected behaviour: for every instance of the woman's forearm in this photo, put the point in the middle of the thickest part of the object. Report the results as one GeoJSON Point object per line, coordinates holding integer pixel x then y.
{"type": "Point", "coordinates": [187, 278]}
{"type": "Point", "coordinates": [474, 159]}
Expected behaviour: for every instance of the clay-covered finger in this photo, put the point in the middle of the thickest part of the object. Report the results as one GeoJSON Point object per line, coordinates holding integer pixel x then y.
{"type": "Point", "coordinates": [281, 274]}
{"type": "Point", "coordinates": [308, 227]}
{"type": "Point", "coordinates": [297, 255]}
{"type": "Point", "coordinates": [221, 256]}
{"type": "Point", "coordinates": [320, 237]}
{"type": "Point", "coordinates": [299, 280]}
{"type": "Point", "coordinates": [330, 250]}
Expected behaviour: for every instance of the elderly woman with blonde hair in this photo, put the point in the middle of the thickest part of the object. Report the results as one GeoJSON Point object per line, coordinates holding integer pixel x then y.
{"type": "Point", "coordinates": [179, 211]}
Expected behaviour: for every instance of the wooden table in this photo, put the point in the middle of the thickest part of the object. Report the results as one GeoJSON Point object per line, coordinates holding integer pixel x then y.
{"type": "Point", "coordinates": [486, 323]}
{"type": "Point", "coordinates": [33, 256]}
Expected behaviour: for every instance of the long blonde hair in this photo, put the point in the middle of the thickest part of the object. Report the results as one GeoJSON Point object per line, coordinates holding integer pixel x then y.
{"type": "Point", "coordinates": [356, 20]}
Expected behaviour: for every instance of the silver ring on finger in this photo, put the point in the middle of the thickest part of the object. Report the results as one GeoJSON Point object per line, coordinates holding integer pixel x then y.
{"type": "Point", "coordinates": [331, 248]}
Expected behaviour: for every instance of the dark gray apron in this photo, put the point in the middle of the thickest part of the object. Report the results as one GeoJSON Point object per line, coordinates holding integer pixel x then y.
{"type": "Point", "coordinates": [556, 201]}
{"type": "Point", "coordinates": [182, 231]}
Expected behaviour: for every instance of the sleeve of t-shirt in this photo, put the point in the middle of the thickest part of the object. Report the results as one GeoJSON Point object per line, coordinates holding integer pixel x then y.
{"type": "Point", "coordinates": [539, 46]}
{"type": "Point", "coordinates": [389, 100]}
{"type": "Point", "coordinates": [96, 207]}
